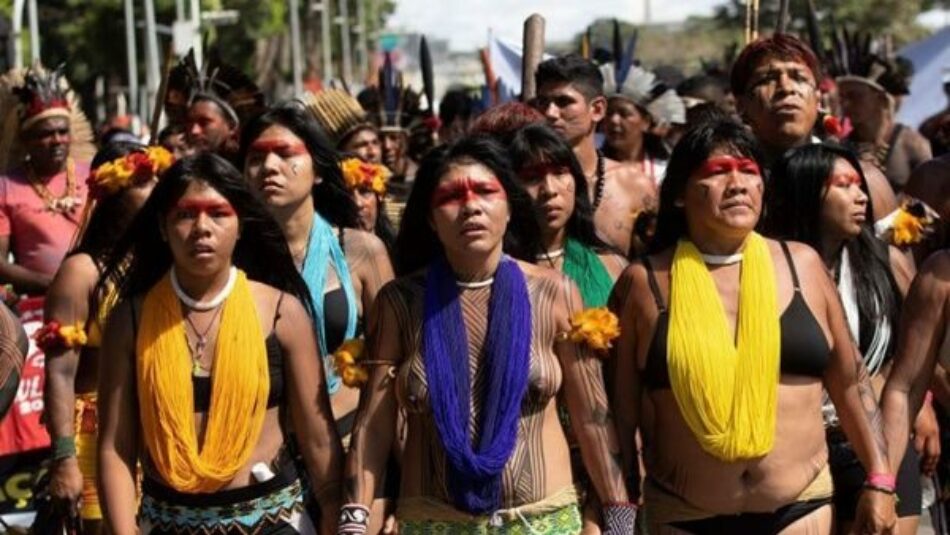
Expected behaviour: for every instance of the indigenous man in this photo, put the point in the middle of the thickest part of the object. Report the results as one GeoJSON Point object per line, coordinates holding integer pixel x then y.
{"type": "Point", "coordinates": [45, 143]}
{"type": "Point", "coordinates": [775, 82]}
{"type": "Point", "coordinates": [210, 104]}
{"type": "Point", "coordinates": [571, 97]}
{"type": "Point", "coordinates": [870, 87]}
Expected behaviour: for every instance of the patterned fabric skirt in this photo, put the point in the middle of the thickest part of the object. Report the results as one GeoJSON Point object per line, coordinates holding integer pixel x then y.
{"type": "Point", "coordinates": [273, 507]}
{"type": "Point", "coordinates": [556, 515]}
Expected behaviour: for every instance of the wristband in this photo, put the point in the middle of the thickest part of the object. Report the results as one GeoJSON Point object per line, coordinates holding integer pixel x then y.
{"type": "Point", "coordinates": [887, 481]}
{"type": "Point", "coordinates": [354, 519]}
{"type": "Point", "coordinates": [619, 518]}
{"type": "Point", "coordinates": [63, 447]}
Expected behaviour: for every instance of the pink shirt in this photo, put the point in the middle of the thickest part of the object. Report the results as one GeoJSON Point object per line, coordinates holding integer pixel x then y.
{"type": "Point", "coordinates": [39, 238]}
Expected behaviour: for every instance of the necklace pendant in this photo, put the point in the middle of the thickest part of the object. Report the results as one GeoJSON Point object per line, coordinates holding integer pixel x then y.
{"type": "Point", "coordinates": [195, 367]}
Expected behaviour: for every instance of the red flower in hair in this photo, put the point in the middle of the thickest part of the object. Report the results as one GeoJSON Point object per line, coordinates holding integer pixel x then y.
{"type": "Point", "coordinates": [832, 126]}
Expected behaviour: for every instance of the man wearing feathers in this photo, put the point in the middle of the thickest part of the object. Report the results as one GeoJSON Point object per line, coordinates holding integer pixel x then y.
{"type": "Point", "coordinates": [45, 145]}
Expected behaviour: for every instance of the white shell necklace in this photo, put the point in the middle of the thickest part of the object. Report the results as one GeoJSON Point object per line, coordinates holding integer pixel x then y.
{"type": "Point", "coordinates": [211, 304]}
{"type": "Point", "coordinates": [722, 260]}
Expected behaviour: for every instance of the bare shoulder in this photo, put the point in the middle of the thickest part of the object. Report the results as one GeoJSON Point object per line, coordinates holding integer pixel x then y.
{"type": "Point", "coordinates": [806, 259]}
{"type": "Point", "coordinates": [937, 266]}
{"type": "Point", "coordinates": [628, 175]}
{"type": "Point", "coordinates": [928, 174]}
{"type": "Point", "coordinates": [883, 199]}
{"type": "Point", "coordinates": [916, 143]}
{"type": "Point", "coordinates": [75, 280]}
{"type": "Point", "coordinates": [361, 243]}
{"type": "Point", "coordinates": [613, 263]}
{"type": "Point", "coordinates": [545, 278]}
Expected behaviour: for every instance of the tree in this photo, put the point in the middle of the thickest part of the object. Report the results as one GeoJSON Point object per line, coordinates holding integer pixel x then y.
{"type": "Point", "coordinates": [894, 17]}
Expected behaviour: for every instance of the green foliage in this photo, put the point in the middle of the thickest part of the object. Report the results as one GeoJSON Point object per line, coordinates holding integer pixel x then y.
{"type": "Point", "coordinates": [893, 17]}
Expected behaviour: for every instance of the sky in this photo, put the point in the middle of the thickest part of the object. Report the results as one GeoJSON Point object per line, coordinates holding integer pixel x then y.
{"type": "Point", "coordinates": [465, 23]}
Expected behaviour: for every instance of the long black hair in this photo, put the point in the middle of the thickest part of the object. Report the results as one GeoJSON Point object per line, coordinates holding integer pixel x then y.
{"type": "Point", "coordinates": [690, 153]}
{"type": "Point", "coordinates": [261, 250]}
{"type": "Point", "coordinates": [794, 201]}
{"type": "Point", "coordinates": [417, 243]}
{"type": "Point", "coordinates": [331, 199]}
{"type": "Point", "coordinates": [110, 216]}
{"type": "Point", "coordinates": [538, 144]}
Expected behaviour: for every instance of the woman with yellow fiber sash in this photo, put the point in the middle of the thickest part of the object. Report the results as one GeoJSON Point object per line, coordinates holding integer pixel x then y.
{"type": "Point", "coordinates": [212, 358]}
{"type": "Point", "coordinates": [118, 189]}
{"type": "Point", "coordinates": [727, 340]}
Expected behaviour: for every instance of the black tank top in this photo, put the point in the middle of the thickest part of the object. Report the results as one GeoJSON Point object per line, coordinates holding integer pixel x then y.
{"type": "Point", "coordinates": [804, 348]}
{"type": "Point", "coordinates": [335, 315]}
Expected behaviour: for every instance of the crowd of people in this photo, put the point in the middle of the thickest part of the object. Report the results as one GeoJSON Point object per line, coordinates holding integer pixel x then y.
{"type": "Point", "coordinates": [614, 307]}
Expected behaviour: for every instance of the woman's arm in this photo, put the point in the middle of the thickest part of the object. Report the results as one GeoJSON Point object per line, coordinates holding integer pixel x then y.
{"type": "Point", "coordinates": [118, 423]}
{"type": "Point", "coordinates": [624, 378]}
{"type": "Point", "coordinates": [849, 385]}
{"type": "Point", "coordinates": [374, 428]}
{"type": "Point", "coordinates": [67, 302]}
{"type": "Point", "coordinates": [310, 408]}
{"type": "Point", "coordinates": [587, 404]}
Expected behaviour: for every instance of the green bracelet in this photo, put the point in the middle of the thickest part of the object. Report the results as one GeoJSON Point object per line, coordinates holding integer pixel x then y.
{"type": "Point", "coordinates": [64, 447]}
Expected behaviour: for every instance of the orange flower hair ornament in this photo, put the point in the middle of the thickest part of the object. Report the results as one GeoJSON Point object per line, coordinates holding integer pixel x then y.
{"type": "Point", "coordinates": [907, 225]}
{"type": "Point", "coordinates": [133, 168]}
{"type": "Point", "coordinates": [595, 327]}
{"type": "Point", "coordinates": [364, 175]}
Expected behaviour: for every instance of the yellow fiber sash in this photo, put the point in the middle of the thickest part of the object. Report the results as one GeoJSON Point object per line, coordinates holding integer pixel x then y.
{"type": "Point", "coordinates": [726, 394]}
{"type": "Point", "coordinates": [240, 384]}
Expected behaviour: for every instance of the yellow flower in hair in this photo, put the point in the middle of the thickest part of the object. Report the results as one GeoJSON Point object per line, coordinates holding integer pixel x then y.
{"type": "Point", "coordinates": [73, 335]}
{"type": "Point", "coordinates": [596, 327]}
{"type": "Point", "coordinates": [161, 158]}
{"type": "Point", "coordinates": [908, 229]}
{"type": "Point", "coordinates": [345, 361]}
{"type": "Point", "coordinates": [359, 174]}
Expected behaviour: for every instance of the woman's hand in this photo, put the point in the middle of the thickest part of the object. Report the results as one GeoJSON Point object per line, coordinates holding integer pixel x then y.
{"type": "Point", "coordinates": [927, 439]}
{"type": "Point", "coordinates": [875, 514]}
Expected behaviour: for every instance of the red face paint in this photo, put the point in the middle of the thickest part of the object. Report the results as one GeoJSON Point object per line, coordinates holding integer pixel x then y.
{"type": "Point", "coordinates": [721, 165]}
{"type": "Point", "coordinates": [463, 190]}
{"type": "Point", "coordinates": [282, 148]}
{"type": "Point", "coordinates": [533, 173]}
{"type": "Point", "coordinates": [191, 209]}
{"type": "Point", "coordinates": [844, 180]}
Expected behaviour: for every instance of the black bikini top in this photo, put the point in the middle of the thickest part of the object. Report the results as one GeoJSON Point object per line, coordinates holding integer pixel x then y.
{"type": "Point", "coordinates": [335, 316]}
{"type": "Point", "coordinates": [201, 386]}
{"type": "Point", "coordinates": [804, 348]}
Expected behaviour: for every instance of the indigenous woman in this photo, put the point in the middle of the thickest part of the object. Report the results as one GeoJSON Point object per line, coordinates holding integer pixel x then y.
{"type": "Point", "coordinates": [726, 341]}
{"type": "Point", "coordinates": [818, 195]}
{"type": "Point", "coordinates": [474, 346]}
{"type": "Point", "coordinates": [299, 177]}
{"type": "Point", "coordinates": [122, 178]}
{"type": "Point", "coordinates": [211, 299]}
{"type": "Point", "coordinates": [367, 184]}
{"type": "Point", "coordinates": [548, 170]}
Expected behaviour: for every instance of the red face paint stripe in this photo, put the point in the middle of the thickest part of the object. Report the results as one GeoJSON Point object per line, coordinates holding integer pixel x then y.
{"type": "Point", "coordinates": [195, 207]}
{"type": "Point", "coordinates": [727, 164]}
{"type": "Point", "coordinates": [844, 179]}
{"type": "Point", "coordinates": [282, 148]}
{"type": "Point", "coordinates": [463, 190]}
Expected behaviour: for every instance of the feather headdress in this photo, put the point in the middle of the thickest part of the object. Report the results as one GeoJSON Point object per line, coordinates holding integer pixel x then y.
{"type": "Point", "coordinates": [337, 112]}
{"type": "Point", "coordinates": [28, 96]}
{"type": "Point", "coordinates": [392, 106]}
{"type": "Point", "coordinates": [625, 78]}
{"type": "Point", "coordinates": [231, 89]}
{"type": "Point", "coordinates": [858, 57]}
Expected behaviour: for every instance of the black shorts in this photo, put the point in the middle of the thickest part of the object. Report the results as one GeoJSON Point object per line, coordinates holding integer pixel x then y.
{"type": "Point", "coordinates": [758, 523]}
{"type": "Point", "coordinates": [849, 477]}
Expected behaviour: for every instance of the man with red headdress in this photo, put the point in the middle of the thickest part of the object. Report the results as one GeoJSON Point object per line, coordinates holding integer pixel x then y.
{"type": "Point", "coordinates": [45, 143]}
